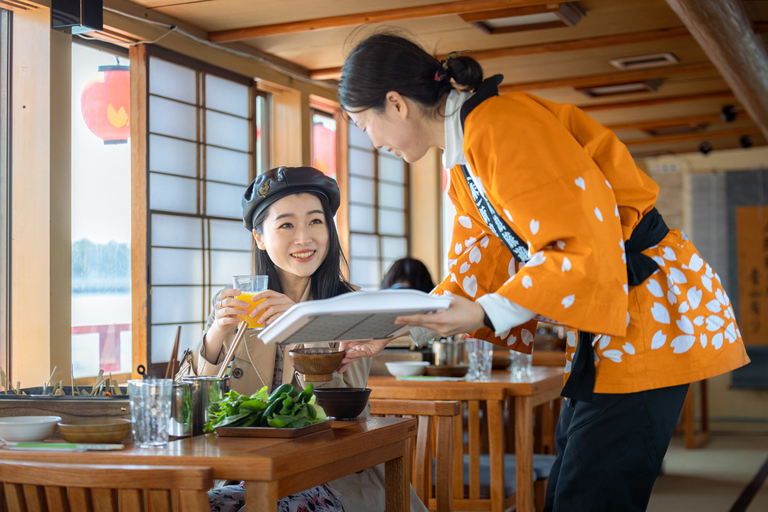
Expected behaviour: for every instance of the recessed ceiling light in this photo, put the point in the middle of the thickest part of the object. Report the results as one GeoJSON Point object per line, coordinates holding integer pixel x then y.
{"type": "Point", "coordinates": [677, 130]}
{"type": "Point", "coordinates": [645, 61]}
{"type": "Point", "coordinates": [534, 17]}
{"type": "Point", "coordinates": [596, 91]}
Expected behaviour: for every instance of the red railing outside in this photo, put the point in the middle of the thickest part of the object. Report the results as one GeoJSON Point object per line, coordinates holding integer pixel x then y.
{"type": "Point", "coordinates": [109, 343]}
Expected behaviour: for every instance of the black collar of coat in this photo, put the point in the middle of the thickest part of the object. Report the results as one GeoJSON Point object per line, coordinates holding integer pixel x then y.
{"type": "Point", "coordinates": [488, 88]}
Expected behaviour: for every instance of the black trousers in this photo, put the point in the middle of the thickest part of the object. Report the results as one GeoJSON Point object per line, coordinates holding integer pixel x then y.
{"type": "Point", "coordinates": [609, 451]}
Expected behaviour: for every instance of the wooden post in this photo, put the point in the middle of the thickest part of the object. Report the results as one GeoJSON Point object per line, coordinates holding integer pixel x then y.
{"type": "Point", "coordinates": [724, 31]}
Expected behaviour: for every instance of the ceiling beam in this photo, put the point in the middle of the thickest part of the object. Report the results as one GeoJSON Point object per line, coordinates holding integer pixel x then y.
{"type": "Point", "coordinates": [693, 136]}
{"type": "Point", "coordinates": [724, 31]}
{"type": "Point", "coordinates": [693, 149]}
{"type": "Point", "coordinates": [609, 78]}
{"type": "Point", "coordinates": [705, 96]}
{"type": "Point", "coordinates": [666, 123]}
{"type": "Point", "coordinates": [405, 13]}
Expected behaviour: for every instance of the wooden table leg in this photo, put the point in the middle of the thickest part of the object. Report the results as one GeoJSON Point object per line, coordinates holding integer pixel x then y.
{"type": "Point", "coordinates": [398, 478]}
{"type": "Point", "coordinates": [524, 453]}
{"type": "Point", "coordinates": [260, 496]}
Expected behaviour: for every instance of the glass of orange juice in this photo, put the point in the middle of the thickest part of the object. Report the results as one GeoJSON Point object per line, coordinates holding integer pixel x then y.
{"type": "Point", "coordinates": [250, 286]}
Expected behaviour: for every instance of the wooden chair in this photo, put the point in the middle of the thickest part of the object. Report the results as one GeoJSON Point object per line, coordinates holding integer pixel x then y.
{"type": "Point", "coordinates": [436, 420]}
{"type": "Point", "coordinates": [44, 487]}
{"type": "Point", "coordinates": [481, 481]}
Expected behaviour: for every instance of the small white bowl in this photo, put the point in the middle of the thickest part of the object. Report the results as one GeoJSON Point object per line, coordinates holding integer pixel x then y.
{"type": "Point", "coordinates": [16, 429]}
{"type": "Point", "coordinates": [406, 368]}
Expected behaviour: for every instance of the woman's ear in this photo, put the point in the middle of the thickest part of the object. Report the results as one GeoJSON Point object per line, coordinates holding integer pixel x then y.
{"type": "Point", "coordinates": [259, 240]}
{"type": "Point", "coordinates": [397, 104]}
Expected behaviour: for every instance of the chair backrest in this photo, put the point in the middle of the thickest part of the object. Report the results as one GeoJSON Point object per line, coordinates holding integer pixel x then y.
{"type": "Point", "coordinates": [48, 487]}
{"type": "Point", "coordinates": [484, 432]}
{"type": "Point", "coordinates": [434, 438]}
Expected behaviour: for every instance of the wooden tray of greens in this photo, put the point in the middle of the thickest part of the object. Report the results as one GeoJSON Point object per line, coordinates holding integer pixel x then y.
{"type": "Point", "coordinates": [285, 412]}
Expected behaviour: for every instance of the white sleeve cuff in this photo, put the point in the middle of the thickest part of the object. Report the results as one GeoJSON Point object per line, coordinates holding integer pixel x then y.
{"type": "Point", "coordinates": [504, 313]}
{"type": "Point", "coordinates": [422, 335]}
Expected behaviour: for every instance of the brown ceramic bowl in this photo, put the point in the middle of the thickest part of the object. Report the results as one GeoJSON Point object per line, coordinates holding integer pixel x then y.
{"type": "Point", "coordinates": [96, 430]}
{"type": "Point", "coordinates": [342, 403]}
{"type": "Point", "coordinates": [316, 363]}
{"type": "Point", "coordinates": [448, 370]}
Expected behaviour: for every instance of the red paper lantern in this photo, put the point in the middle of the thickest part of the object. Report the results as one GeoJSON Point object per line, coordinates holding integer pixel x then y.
{"type": "Point", "coordinates": [106, 104]}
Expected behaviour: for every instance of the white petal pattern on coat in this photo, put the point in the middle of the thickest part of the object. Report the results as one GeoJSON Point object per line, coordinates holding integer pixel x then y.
{"type": "Point", "coordinates": [608, 183]}
{"type": "Point", "coordinates": [511, 269]}
{"type": "Point", "coordinates": [660, 313]}
{"type": "Point", "coordinates": [560, 244]}
{"type": "Point", "coordinates": [714, 306]}
{"type": "Point", "coordinates": [706, 283]}
{"type": "Point", "coordinates": [655, 288]}
{"type": "Point", "coordinates": [604, 341]}
{"type": "Point", "coordinates": [659, 261]}
{"type": "Point", "coordinates": [598, 214]}
{"type": "Point", "coordinates": [717, 340]}
{"type": "Point", "coordinates": [629, 348]}
{"type": "Point", "coordinates": [568, 301]}
{"type": "Point", "coordinates": [536, 259]}
{"type": "Point", "coordinates": [698, 321]}
{"type": "Point", "coordinates": [695, 263]}
{"type": "Point", "coordinates": [614, 355]}
{"type": "Point", "coordinates": [703, 340]}
{"type": "Point", "coordinates": [469, 242]}
{"type": "Point", "coordinates": [534, 226]}
{"type": "Point", "coordinates": [714, 323]}
{"type": "Point", "coordinates": [474, 255]}
{"type": "Point", "coordinates": [464, 267]}
{"type": "Point", "coordinates": [694, 297]}
{"type": "Point", "coordinates": [465, 221]}
{"type": "Point", "coordinates": [527, 282]}
{"type": "Point", "coordinates": [571, 338]}
{"type": "Point", "coordinates": [566, 266]}
{"type": "Point", "coordinates": [470, 285]}
{"type": "Point", "coordinates": [684, 307]}
{"type": "Point", "coordinates": [669, 254]}
{"type": "Point", "coordinates": [658, 341]}
{"type": "Point", "coordinates": [730, 333]}
{"type": "Point", "coordinates": [682, 343]}
{"type": "Point", "coordinates": [526, 336]}
{"type": "Point", "coordinates": [508, 215]}
{"type": "Point", "coordinates": [484, 241]}
{"type": "Point", "coordinates": [458, 249]}
{"type": "Point", "coordinates": [678, 276]}
{"type": "Point", "coordinates": [580, 183]}
{"type": "Point", "coordinates": [685, 325]}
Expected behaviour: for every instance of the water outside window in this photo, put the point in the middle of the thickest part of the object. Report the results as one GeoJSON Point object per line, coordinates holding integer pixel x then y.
{"type": "Point", "coordinates": [101, 213]}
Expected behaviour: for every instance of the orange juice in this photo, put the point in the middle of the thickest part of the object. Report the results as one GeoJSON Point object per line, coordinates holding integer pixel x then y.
{"type": "Point", "coordinates": [251, 321]}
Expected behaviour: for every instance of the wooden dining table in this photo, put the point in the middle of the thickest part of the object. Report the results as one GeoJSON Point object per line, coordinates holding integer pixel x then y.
{"type": "Point", "coordinates": [275, 467]}
{"type": "Point", "coordinates": [543, 385]}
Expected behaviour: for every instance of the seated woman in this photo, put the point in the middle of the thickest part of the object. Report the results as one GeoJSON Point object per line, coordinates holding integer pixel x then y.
{"type": "Point", "coordinates": [408, 273]}
{"type": "Point", "coordinates": [290, 213]}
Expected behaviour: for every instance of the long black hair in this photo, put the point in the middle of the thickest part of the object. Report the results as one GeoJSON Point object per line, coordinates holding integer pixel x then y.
{"type": "Point", "coordinates": [387, 62]}
{"type": "Point", "coordinates": [328, 280]}
{"type": "Point", "coordinates": [411, 270]}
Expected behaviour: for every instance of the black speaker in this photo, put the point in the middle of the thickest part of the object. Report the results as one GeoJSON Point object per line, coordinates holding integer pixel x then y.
{"type": "Point", "coordinates": [77, 16]}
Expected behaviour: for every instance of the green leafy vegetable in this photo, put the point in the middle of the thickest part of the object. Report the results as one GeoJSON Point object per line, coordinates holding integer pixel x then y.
{"type": "Point", "coordinates": [285, 407]}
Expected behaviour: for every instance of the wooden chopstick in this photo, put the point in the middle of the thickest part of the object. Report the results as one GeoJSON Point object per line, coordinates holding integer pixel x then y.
{"type": "Point", "coordinates": [172, 362]}
{"type": "Point", "coordinates": [241, 328]}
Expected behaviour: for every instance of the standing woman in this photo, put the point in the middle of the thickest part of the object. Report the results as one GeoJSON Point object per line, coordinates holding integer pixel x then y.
{"type": "Point", "coordinates": [554, 221]}
{"type": "Point", "coordinates": [290, 213]}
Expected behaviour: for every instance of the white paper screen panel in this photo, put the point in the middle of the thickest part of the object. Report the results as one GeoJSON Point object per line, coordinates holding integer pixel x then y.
{"type": "Point", "coordinates": [168, 117]}
{"type": "Point", "coordinates": [391, 196]}
{"type": "Point", "coordinates": [361, 190]}
{"type": "Point", "coordinates": [172, 156]}
{"type": "Point", "coordinates": [175, 231]}
{"type": "Point", "coordinates": [364, 272]}
{"type": "Point", "coordinates": [224, 265]}
{"type": "Point", "coordinates": [230, 235]}
{"type": "Point", "coordinates": [172, 81]}
{"type": "Point", "coordinates": [361, 163]}
{"type": "Point", "coordinates": [358, 138]}
{"type": "Point", "coordinates": [226, 131]}
{"type": "Point", "coordinates": [172, 194]}
{"type": "Point", "coordinates": [361, 218]}
{"type": "Point", "coordinates": [364, 246]}
{"type": "Point", "coordinates": [393, 248]}
{"type": "Point", "coordinates": [223, 200]}
{"type": "Point", "coordinates": [391, 222]}
{"type": "Point", "coordinates": [391, 169]}
{"type": "Point", "coordinates": [226, 96]}
{"type": "Point", "coordinates": [176, 266]}
{"type": "Point", "coordinates": [226, 165]}
{"type": "Point", "coordinates": [177, 304]}
{"type": "Point", "coordinates": [163, 337]}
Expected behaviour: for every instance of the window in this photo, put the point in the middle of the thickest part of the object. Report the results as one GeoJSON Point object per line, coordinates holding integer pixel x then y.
{"type": "Point", "coordinates": [200, 156]}
{"type": "Point", "coordinates": [101, 213]}
{"type": "Point", "coordinates": [378, 210]}
{"type": "Point", "coordinates": [5, 207]}
{"type": "Point", "coordinates": [324, 142]}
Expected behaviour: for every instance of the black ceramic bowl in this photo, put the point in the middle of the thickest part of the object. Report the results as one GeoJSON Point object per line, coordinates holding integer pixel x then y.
{"type": "Point", "coordinates": [342, 403]}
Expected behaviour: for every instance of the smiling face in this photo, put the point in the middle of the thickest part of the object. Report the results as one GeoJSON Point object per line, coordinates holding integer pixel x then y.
{"type": "Point", "coordinates": [295, 235]}
{"type": "Point", "coordinates": [401, 127]}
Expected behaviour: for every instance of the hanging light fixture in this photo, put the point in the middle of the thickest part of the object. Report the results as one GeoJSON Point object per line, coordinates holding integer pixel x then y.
{"type": "Point", "coordinates": [106, 104]}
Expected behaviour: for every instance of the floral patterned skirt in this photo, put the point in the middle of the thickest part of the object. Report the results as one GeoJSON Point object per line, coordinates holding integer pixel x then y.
{"type": "Point", "coordinates": [322, 498]}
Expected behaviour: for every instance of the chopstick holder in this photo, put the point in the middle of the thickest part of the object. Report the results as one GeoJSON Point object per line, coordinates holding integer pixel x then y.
{"type": "Point", "coordinates": [241, 328]}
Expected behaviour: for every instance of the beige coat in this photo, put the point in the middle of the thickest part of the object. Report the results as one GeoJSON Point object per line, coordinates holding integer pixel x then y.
{"type": "Point", "coordinates": [252, 368]}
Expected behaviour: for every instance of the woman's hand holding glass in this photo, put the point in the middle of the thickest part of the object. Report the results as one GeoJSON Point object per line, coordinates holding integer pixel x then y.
{"type": "Point", "coordinates": [259, 310]}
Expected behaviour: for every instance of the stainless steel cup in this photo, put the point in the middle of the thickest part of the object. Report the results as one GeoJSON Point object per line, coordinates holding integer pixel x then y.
{"type": "Point", "coordinates": [449, 351]}
{"type": "Point", "coordinates": [206, 390]}
{"type": "Point", "coordinates": [180, 424]}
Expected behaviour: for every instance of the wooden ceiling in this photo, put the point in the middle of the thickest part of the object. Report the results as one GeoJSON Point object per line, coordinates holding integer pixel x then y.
{"type": "Point", "coordinates": [721, 57]}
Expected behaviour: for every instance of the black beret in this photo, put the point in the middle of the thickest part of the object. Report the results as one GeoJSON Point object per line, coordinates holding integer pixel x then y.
{"type": "Point", "coordinates": [284, 181]}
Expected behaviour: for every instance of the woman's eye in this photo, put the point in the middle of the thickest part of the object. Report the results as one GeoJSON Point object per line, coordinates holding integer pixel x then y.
{"type": "Point", "coordinates": [287, 225]}
{"type": "Point", "coordinates": [317, 221]}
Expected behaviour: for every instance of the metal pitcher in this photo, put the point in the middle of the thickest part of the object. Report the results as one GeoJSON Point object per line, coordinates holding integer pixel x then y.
{"type": "Point", "coordinates": [206, 390]}
{"type": "Point", "coordinates": [449, 351]}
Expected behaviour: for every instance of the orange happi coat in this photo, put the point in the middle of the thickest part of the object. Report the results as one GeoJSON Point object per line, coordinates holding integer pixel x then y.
{"type": "Point", "coordinates": [570, 189]}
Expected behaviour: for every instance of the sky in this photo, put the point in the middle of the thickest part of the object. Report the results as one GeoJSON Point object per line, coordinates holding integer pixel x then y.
{"type": "Point", "coordinates": [101, 174]}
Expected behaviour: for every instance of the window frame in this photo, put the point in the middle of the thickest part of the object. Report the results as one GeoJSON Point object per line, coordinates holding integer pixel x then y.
{"type": "Point", "coordinates": [6, 38]}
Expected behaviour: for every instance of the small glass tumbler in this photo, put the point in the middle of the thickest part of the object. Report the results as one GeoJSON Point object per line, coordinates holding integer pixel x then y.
{"type": "Point", "coordinates": [520, 369]}
{"type": "Point", "coordinates": [480, 356]}
{"type": "Point", "coordinates": [250, 286]}
{"type": "Point", "coordinates": [150, 411]}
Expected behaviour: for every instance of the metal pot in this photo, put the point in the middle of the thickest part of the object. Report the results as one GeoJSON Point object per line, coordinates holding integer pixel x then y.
{"type": "Point", "coordinates": [449, 351]}
{"type": "Point", "coordinates": [205, 390]}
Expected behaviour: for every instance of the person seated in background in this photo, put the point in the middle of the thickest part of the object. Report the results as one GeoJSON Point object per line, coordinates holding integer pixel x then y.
{"type": "Point", "coordinates": [408, 273]}
{"type": "Point", "coordinates": [290, 214]}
